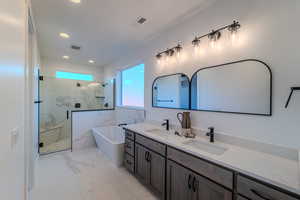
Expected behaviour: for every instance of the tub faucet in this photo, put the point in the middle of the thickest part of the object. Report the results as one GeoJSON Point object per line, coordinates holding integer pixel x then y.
{"type": "Point", "coordinates": [167, 124]}
{"type": "Point", "coordinates": [211, 134]}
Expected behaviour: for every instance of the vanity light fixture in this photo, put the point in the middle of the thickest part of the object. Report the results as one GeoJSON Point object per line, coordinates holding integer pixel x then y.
{"type": "Point", "coordinates": [233, 29]}
{"type": "Point", "coordinates": [178, 49]}
{"type": "Point", "coordinates": [169, 53]}
{"type": "Point", "coordinates": [214, 36]}
{"type": "Point", "coordinates": [159, 56]}
{"type": "Point", "coordinates": [196, 42]}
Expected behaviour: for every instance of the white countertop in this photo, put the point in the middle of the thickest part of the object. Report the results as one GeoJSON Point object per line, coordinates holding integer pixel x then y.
{"type": "Point", "coordinates": [272, 169]}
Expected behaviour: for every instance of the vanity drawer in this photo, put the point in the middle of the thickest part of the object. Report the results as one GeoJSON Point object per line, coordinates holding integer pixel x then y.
{"type": "Point", "coordinates": [241, 198]}
{"type": "Point", "coordinates": [204, 168]}
{"type": "Point", "coordinates": [151, 144]}
{"type": "Point", "coordinates": [129, 146]}
{"type": "Point", "coordinates": [129, 134]}
{"type": "Point", "coordinates": [129, 162]}
{"type": "Point", "coordinates": [258, 191]}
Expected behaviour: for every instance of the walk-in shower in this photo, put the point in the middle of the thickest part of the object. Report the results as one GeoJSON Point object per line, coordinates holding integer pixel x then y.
{"type": "Point", "coordinates": [60, 96]}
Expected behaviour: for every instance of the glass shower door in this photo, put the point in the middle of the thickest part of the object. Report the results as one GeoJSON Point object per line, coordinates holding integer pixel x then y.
{"type": "Point", "coordinates": [55, 124]}
{"type": "Point", "coordinates": [61, 96]}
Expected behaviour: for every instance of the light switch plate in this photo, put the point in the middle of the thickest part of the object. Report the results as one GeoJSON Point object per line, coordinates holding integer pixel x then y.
{"type": "Point", "coordinates": [14, 135]}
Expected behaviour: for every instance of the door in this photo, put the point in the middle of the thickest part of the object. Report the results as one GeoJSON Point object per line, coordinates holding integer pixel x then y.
{"type": "Point", "coordinates": [157, 174]}
{"type": "Point", "coordinates": [55, 124]}
{"type": "Point", "coordinates": [179, 180]}
{"type": "Point", "coordinates": [205, 189]}
{"type": "Point", "coordinates": [142, 166]}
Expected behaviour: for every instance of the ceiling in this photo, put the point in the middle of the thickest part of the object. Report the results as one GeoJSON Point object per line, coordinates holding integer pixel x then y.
{"type": "Point", "coordinates": [105, 29]}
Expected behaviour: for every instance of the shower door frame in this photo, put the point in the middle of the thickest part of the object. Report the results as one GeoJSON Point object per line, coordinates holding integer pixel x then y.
{"type": "Point", "coordinates": [69, 115]}
{"type": "Point", "coordinates": [41, 78]}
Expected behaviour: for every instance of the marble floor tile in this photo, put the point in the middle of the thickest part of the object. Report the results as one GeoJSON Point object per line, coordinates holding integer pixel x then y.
{"type": "Point", "coordinates": [84, 175]}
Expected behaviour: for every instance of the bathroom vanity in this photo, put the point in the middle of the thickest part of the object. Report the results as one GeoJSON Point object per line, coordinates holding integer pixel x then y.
{"type": "Point", "coordinates": [176, 168]}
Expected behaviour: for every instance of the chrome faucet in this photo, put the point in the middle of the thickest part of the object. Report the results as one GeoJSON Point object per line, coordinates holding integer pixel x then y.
{"type": "Point", "coordinates": [167, 124]}
{"type": "Point", "coordinates": [211, 134]}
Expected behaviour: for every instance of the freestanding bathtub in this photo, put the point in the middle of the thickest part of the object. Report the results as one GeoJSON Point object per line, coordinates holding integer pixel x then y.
{"type": "Point", "coordinates": [110, 140]}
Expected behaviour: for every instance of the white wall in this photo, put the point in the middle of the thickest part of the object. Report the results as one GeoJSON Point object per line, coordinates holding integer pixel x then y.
{"type": "Point", "coordinates": [269, 32]}
{"type": "Point", "coordinates": [49, 67]}
{"type": "Point", "coordinates": [12, 82]}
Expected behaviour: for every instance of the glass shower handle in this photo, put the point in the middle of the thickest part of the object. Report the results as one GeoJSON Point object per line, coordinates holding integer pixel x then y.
{"type": "Point", "coordinates": [67, 114]}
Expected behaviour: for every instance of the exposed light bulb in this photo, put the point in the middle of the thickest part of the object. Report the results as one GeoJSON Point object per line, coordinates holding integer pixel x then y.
{"type": "Point", "coordinates": [198, 50]}
{"type": "Point", "coordinates": [214, 36]}
{"type": "Point", "coordinates": [64, 35]}
{"type": "Point", "coordinates": [212, 44]}
{"type": "Point", "coordinates": [159, 61]}
{"type": "Point", "coordinates": [178, 55]}
{"type": "Point", "coordinates": [234, 37]}
{"type": "Point", "coordinates": [178, 50]}
{"type": "Point", "coordinates": [75, 1]}
{"type": "Point", "coordinates": [167, 59]}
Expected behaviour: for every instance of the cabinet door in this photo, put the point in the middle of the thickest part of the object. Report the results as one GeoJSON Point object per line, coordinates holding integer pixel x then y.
{"type": "Point", "coordinates": [178, 182]}
{"type": "Point", "coordinates": [204, 189]}
{"type": "Point", "coordinates": [157, 174]}
{"type": "Point", "coordinates": [142, 166]}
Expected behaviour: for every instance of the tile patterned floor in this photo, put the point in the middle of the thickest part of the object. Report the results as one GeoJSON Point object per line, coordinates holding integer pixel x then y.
{"type": "Point", "coordinates": [85, 175]}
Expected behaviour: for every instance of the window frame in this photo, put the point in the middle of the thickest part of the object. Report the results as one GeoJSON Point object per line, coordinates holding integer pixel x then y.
{"type": "Point", "coordinates": [120, 89]}
{"type": "Point", "coordinates": [57, 72]}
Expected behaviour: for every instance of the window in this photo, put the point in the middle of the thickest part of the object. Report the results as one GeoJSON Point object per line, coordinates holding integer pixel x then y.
{"type": "Point", "coordinates": [74, 76]}
{"type": "Point", "coordinates": [132, 86]}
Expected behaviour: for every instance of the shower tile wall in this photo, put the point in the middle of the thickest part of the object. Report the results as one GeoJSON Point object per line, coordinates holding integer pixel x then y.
{"type": "Point", "coordinates": [129, 115]}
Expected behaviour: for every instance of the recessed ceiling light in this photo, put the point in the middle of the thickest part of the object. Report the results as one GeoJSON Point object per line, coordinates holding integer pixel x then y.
{"type": "Point", "coordinates": [66, 57]}
{"type": "Point", "coordinates": [91, 61]}
{"type": "Point", "coordinates": [75, 1]}
{"type": "Point", "coordinates": [141, 20]}
{"type": "Point", "coordinates": [64, 35]}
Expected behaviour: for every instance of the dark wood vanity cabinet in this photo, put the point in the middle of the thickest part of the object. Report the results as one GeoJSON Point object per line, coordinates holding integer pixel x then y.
{"type": "Point", "coordinates": [255, 190]}
{"type": "Point", "coordinates": [150, 170]}
{"type": "Point", "coordinates": [182, 183]}
{"type": "Point", "coordinates": [241, 198]}
{"type": "Point", "coordinates": [141, 164]}
{"type": "Point", "coordinates": [179, 180]}
{"type": "Point", "coordinates": [129, 161]}
{"type": "Point", "coordinates": [173, 174]}
{"type": "Point", "coordinates": [205, 189]}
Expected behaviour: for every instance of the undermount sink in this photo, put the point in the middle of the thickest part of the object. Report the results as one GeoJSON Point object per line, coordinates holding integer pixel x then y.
{"type": "Point", "coordinates": [157, 131]}
{"type": "Point", "coordinates": [207, 147]}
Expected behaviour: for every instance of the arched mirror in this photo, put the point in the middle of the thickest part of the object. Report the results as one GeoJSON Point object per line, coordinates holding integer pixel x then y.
{"type": "Point", "coordinates": [171, 91]}
{"type": "Point", "coordinates": [243, 87]}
